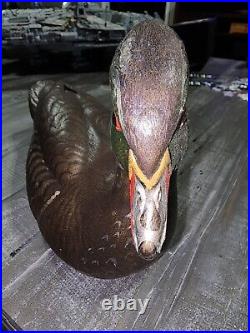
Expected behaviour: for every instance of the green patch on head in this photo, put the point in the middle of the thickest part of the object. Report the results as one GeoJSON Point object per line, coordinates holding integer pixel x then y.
{"type": "Point", "coordinates": [119, 146]}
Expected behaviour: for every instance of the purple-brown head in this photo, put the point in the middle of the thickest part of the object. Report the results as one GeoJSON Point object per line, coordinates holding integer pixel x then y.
{"type": "Point", "coordinates": [149, 86]}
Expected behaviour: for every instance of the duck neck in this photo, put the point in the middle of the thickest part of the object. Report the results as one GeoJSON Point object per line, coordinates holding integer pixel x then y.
{"type": "Point", "coordinates": [119, 146]}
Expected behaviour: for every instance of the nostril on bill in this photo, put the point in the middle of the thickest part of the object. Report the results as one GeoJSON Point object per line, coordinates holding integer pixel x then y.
{"type": "Point", "coordinates": [150, 221]}
{"type": "Point", "coordinates": [147, 250]}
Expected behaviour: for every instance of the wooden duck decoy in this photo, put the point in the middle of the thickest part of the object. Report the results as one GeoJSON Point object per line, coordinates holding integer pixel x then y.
{"type": "Point", "coordinates": [102, 204]}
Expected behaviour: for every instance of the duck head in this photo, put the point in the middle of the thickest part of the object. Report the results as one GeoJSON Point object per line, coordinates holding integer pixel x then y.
{"type": "Point", "coordinates": [149, 85]}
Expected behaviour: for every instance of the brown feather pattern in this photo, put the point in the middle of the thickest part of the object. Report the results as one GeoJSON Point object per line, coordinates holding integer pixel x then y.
{"type": "Point", "coordinates": [76, 189]}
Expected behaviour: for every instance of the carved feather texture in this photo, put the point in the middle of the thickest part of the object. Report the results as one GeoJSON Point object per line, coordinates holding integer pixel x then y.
{"type": "Point", "coordinates": [74, 184]}
{"type": "Point", "coordinates": [76, 189]}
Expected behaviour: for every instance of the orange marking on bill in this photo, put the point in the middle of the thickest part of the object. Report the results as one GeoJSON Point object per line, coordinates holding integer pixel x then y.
{"type": "Point", "coordinates": [148, 182]}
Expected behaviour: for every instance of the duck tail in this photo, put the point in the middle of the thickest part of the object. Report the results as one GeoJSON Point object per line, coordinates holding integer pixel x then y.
{"type": "Point", "coordinates": [39, 88]}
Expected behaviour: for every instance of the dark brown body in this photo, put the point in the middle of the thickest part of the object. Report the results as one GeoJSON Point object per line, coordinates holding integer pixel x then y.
{"type": "Point", "coordinates": [77, 191]}
{"type": "Point", "coordinates": [87, 224]}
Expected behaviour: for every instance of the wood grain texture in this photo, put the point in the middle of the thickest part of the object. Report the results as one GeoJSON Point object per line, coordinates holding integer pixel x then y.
{"type": "Point", "coordinates": [201, 281]}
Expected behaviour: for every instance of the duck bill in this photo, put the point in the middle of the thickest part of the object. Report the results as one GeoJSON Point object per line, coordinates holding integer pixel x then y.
{"type": "Point", "coordinates": [149, 208]}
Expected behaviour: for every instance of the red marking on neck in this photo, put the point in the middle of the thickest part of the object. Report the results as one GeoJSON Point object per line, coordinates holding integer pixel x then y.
{"type": "Point", "coordinates": [118, 125]}
{"type": "Point", "coordinates": [168, 175]}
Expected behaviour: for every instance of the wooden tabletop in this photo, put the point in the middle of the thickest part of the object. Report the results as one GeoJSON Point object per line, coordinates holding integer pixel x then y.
{"type": "Point", "coordinates": [200, 283]}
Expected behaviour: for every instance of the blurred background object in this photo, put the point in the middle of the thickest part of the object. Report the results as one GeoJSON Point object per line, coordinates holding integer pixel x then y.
{"type": "Point", "coordinates": [72, 33]}
{"type": "Point", "coordinates": [231, 30]}
{"type": "Point", "coordinates": [84, 35]}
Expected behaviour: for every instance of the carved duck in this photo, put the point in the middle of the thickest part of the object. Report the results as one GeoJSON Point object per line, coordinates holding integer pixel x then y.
{"type": "Point", "coordinates": [98, 181]}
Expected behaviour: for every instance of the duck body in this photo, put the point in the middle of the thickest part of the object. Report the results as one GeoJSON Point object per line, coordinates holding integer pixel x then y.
{"type": "Point", "coordinates": [76, 188]}
{"type": "Point", "coordinates": [77, 184]}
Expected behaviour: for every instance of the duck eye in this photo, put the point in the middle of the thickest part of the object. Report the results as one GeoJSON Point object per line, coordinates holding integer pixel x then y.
{"type": "Point", "coordinates": [116, 123]}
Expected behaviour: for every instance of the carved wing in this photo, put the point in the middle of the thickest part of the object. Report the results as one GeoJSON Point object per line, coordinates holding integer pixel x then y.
{"type": "Point", "coordinates": [58, 151]}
